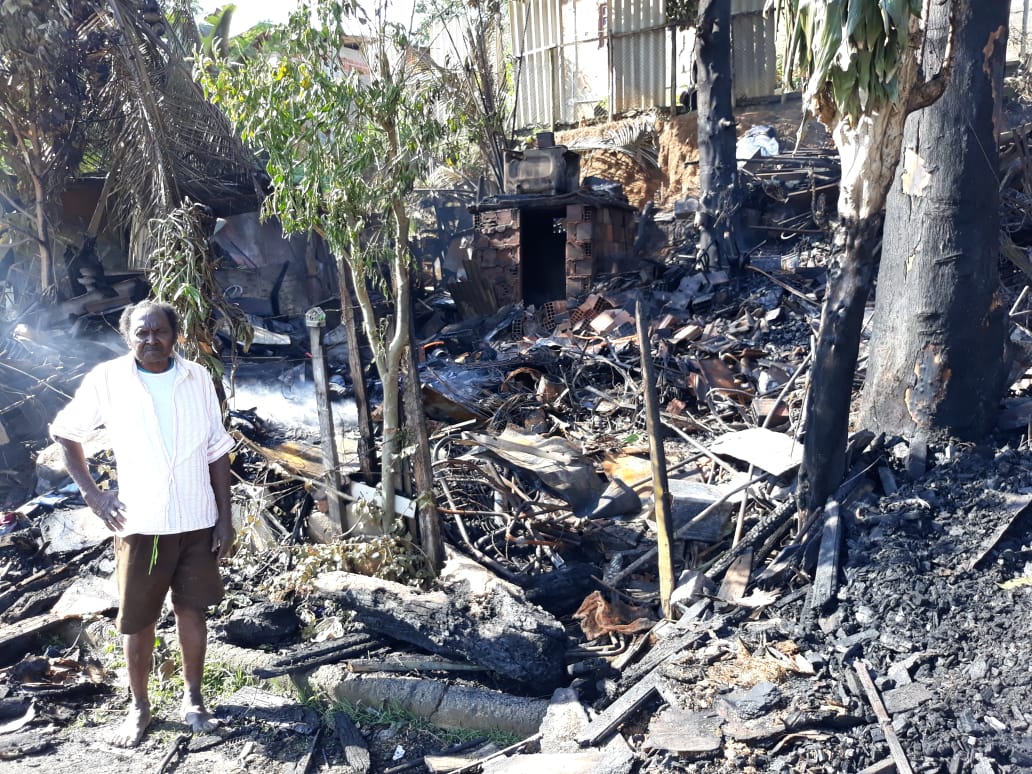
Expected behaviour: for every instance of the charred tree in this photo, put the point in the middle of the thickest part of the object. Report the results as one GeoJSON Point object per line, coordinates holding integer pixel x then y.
{"type": "Point", "coordinates": [865, 107]}
{"type": "Point", "coordinates": [367, 460]}
{"type": "Point", "coordinates": [718, 167]}
{"type": "Point", "coordinates": [838, 342]}
{"type": "Point", "coordinates": [936, 361]}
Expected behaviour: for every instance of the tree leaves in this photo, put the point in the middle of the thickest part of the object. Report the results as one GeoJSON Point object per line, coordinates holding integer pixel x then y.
{"type": "Point", "coordinates": [850, 52]}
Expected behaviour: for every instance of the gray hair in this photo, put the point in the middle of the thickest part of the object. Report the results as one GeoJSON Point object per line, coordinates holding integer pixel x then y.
{"type": "Point", "coordinates": [170, 313]}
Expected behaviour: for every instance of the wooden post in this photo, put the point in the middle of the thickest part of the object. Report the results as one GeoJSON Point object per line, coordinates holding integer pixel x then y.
{"type": "Point", "coordinates": [660, 490]}
{"type": "Point", "coordinates": [315, 319]}
{"type": "Point", "coordinates": [1023, 43]}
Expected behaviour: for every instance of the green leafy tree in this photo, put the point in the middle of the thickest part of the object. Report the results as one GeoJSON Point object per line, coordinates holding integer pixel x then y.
{"type": "Point", "coordinates": [346, 142]}
{"type": "Point", "coordinates": [41, 125]}
{"type": "Point", "coordinates": [865, 72]}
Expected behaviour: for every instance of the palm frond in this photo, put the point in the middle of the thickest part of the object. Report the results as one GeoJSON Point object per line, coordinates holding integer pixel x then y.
{"type": "Point", "coordinates": [167, 142]}
{"type": "Point", "coordinates": [636, 137]}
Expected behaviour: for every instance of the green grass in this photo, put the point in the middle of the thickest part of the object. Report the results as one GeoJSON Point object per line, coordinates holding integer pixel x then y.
{"type": "Point", "coordinates": [219, 681]}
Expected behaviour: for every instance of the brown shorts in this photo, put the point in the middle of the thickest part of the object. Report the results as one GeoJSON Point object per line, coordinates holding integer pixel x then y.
{"type": "Point", "coordinates": [185, 564]}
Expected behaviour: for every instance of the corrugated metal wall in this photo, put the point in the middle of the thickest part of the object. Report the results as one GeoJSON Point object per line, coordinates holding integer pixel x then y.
{"type": "Point", "coordinates": [754, 50]}
{"type": "Point", "coordinates": [640, 61]}
{"type": "Point", "coordinates": [578, 59]}
{"type": "Point", "coordinates": [534, 25]}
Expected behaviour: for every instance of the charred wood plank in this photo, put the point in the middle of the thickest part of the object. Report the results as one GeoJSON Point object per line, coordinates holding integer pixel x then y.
{"type": "Point", "coordinates": [305, 763]}
{"type": "Point", "coordinates": [670, 646]}
{"type": "Point", "coordinates": [360, 643]}
{"type": "Point", "coordinates": [47, 577]}
{"type": "Point", "coordinates": [1013, 506]}
{"type": "Point", "coordinates": [825, 581]}
{"type": "Point", "coordinates": [352, 744]}
{"type": "Point", "coordinates": [755, 537]}
{"type": "Point", "coordinates": [884, 720]}
{"type": "Point", "coordinates": [36, 602]}
{"type": "Point", "coordinates": [615, 714]}
{"type": "Point", "coordinates": [16, 638]}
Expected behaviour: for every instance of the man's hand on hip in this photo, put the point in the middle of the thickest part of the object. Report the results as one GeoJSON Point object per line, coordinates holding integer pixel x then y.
{"type": "Point", "coordinates": [108, 507]}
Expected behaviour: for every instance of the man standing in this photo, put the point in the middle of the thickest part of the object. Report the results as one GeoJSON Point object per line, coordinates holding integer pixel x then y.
{"type": "Point", "coordinates": [171, 514]}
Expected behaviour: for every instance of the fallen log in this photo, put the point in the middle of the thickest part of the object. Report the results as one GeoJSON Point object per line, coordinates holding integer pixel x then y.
{"type": "Point", "coordinates": [472, 616]}
{"type": "Point", "coordinates": [440, 704]}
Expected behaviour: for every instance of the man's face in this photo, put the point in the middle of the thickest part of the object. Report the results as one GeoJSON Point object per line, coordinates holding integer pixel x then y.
{"type": "Point", "coordinates": [151, 339]}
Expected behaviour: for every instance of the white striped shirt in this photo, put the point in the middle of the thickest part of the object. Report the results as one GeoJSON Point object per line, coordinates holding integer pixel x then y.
{"type": "Point", "coordinates": [163, 493]}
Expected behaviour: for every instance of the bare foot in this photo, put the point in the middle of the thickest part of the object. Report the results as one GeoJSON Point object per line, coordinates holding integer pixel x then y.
{"type": "Point", "coordinates": [130, 731]}
{"type": "Point", "coordinates": [200, 720]}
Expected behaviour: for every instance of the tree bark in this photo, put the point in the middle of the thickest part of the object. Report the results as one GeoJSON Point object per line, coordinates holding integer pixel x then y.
{"type": "Point", "coordinates": [718, 167]}
{"type": "Point", "coordinates": [831, 380]}
{"type": "Point", "coordinates": [936, 362]}
{"type": "Point", "coordinates": [428, 521]}
{"type": "Point", "coordinates": [366, 435]}
{"type": "Point", "coordinates": [869, 147]}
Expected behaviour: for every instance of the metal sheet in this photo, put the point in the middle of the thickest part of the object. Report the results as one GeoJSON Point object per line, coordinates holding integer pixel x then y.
{"type": "Point", "coordinates": [580, 58]}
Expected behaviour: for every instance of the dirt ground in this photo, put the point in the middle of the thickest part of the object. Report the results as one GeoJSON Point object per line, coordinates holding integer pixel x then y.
{"type": "Point", "coordinates": [676, 175]}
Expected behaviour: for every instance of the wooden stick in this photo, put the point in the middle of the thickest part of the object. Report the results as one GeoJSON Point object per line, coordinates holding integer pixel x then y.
{"type": "Point", "coordinates": [898, 754]}
{"type": "Point", "coordinates": [475, 765]}
{"type": "Point", "coordinates": [684, 529]}
{"type": "Point", "coordinates": [660, 488]}
{"type": "Point", "coordinates": [178, 745]}
{"type": "Point", "coordinates": [315, 320]}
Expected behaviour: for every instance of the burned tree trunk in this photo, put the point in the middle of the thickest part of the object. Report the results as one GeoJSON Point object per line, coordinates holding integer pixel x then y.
{"type": "Point", "coordinates": [831, 381]}
{"type": "Point", "coordinates": [718, 168]}
{"type": "Point", "coordinates": [936, 358]}
{"type": "Point", "coordinates": [870, 144]}
{"type": "Point", "coordinates": [366, 438]}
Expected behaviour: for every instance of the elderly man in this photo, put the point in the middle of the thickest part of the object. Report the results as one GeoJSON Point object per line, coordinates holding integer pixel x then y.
{"type": "Point", "coordinates": [171, 514]}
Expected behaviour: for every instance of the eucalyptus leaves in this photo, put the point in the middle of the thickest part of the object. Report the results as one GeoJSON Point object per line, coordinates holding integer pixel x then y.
{"type": "Point", "coordinates": [852, 51]}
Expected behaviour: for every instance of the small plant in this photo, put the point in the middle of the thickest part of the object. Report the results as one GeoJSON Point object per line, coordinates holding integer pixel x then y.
{"type": "Point", "coordinates": [223, 680]}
